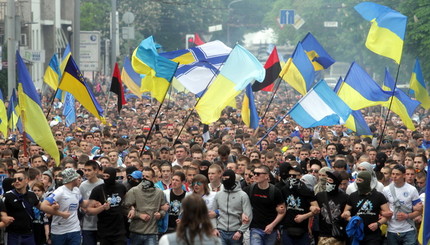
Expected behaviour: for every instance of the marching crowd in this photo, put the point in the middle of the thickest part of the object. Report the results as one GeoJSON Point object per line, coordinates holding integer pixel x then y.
{"type": "Point", "coordinates": [116, 185]}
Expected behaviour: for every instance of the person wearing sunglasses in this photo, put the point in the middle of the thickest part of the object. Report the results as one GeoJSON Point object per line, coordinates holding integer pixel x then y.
{"type": "Point", "coordinates": [200, 186]}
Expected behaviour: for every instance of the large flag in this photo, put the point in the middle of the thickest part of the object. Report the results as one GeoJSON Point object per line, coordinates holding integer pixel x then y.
{"type": "Point", "coordinates": [116, 87]}
{"type": "Point", "coordinates": [74, 83]}
{"type": "Point", "coordinates": [240, 69]}
{"type": "Point", "coordinates": [299, 71]}
{"type": "Point", "coordinates": [13, 113]}
{"type": "Point", "coordinates": [3, 117]}
{"type": "Point", "coordinates": [69, 109]}
{"type": "Point", "coordinates": [387, 32]}
{"type": "Point", "coordinates": [418, 85]}
{"type": "Point", "coordinates": [52, 73]}
{"type": "Point", "coordinates": [402, 105]}
{"type": "Point", "coordinates": [320, 107]}
{"type": "Point", "coordinates": [158, 70]}
{"type": "Point", "coordinates": [64, 59]}
{"type": "Point", "coordinates": [316, 53]}
{"type": "Point", "coordinates": [359, 90]}
{"type": "Point", "coordinates": [249, 111]}
{"type": "Point", "coordinates": [273, 68]}
{"type": "Point", "coordinates": [131, 78]}
{"type": "Point", "coordinates": [33, 119]}
{"type": "Point", "coordinates": [424, 234]}
{"type": "Point", "coordinates": [198, 66]}
{"type": "Point", "coordinates": [356, 123]}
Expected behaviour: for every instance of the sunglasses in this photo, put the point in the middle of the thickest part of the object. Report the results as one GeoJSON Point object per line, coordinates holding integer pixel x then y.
{"type": "Point", "coordinates": [19, 179]}
{"type": "Point", "coordinates": [314, 171]}
{"type": "Point", "coordinates": [197, 183]}
{"type": "Point", "coordinates": [292, 175]}
{"type": "Point", "coordinates": [259, 173]}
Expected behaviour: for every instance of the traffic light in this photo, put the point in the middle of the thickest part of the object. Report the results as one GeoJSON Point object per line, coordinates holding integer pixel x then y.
{"type": "Point", "coordinates": [189, 41]}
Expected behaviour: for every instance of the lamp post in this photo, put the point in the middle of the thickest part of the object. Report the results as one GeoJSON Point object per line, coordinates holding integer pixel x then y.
{"type": "Point", "coordinates": [70, 33]}
{"type": "Point", "coordinates": [228, 20]}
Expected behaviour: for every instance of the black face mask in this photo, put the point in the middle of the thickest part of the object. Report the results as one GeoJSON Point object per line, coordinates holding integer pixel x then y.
{"type": "Point", "coordinates": [112, 176]}
{"type": "Point", "coordinates": [294, 183]}
{"type": "Point", "coordinates": [132, 182]}
{"type": "Point", "coordinates": [230, 182]}
{"type": "Point", "coordinates": [146, 184]}
{"type": "Point", "coordinates": [58, 183]}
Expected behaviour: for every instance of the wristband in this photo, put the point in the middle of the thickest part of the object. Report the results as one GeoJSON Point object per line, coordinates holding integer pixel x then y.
{"type": "Point", "coordinates": [379, 224]}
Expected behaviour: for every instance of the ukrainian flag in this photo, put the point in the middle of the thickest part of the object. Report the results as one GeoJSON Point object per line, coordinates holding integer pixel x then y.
{"type": "Point", "coordinates": [3, 117]}
{"type": "Point", "coordinates": [74, 83]}
{"type": "Point", "coordinates": [66, 54]}
{"type": "Point", "coordinates": [402, 105]}
{"type": "Point", "coordinates": [316, 53]}
{"type": "Point", "coordinates": [424, 233]}
{"type": "Point", "coordinates": [387, 32]}
{"type": "Point", "coordinates": [130, 78]}
{"type": "Point", "coordinates": [359, 90]}
{"type": "Point", "coordinates": [33, 119]}
{"type": "Point", "coordinates": [158, 70]}
{"type": "Point", "coordinates": [52, 73]}
{"type": "Point", "coordinates": [357, 124]}
{"type": "Point", "coordinates": [418, 85]}
{"type": "Point", "coordinates": [299, 71]}
{"type": "Point", "coordinates": [13, 111]}
{"type": "Point", "coordinates": [249, 111]}
{"type": "Point", "coordinates": [240, 69]}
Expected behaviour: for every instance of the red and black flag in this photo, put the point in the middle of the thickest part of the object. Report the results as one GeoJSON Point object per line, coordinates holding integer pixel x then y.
{"type": "Point", "coordinates": [273, 68]}
{"type": "Point", "coordinates": [117, 88]}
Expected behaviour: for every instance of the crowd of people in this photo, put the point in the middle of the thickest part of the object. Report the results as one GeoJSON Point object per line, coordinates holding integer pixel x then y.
{"type": "Point", "coordinates": [180, 185]}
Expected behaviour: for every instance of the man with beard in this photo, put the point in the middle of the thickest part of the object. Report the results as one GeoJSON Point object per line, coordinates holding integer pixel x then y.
{"type": "Point", "coordinates": [300, 206]}
{"type": "Point", "coordinates": [332, 201]}
{"type": "Point", "coordinates": [106, 202]}
{"type": "Point", "coordinates": [231, 204]}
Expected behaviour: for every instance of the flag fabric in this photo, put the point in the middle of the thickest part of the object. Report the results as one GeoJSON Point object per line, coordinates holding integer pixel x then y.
{"type": "Point", "coordinates": [66, 54]}
{"type": "Point", "coordinates": [32, 116]}
{"type": "Point", "coordinates": [131, 78]}
{"type": "Point", "coordinates": [3, 117]}
{"type": "Point", "coordinates": [356, 123]}
{"type": "Point", "coordinates": [402, 105]}
{"type": "Point", "coordinates": [387, 32]}
{"type": "Point", "coordinates": [69, 109]}
{"type": "Point", "coordinates": [418, 85]}
{"type": "Point", "coordinates": [273, 68]}
{"type": "Point", "coordinates": [74, 83]}
{"type": "Point", "coordinates": [359, 90]}
{"type": "Point", "coordinates": [338, 84]}
{"type": "Point", "coordinates": [320, 107]}
{"type": "Point", "coordinates": [320, 58]}
{"type": "Point", "coordinates": [240, 69]}
{"type": "Point", "coordinates": [158, 70]}
{"type": "Point", "coordinates": [249, 111]}
{"type": "Point", "coordinates": [116, 87]}
{"type": "Point", "coordinates": [199, 65]}
{"type": "Point", "coordinates": [299, 71]}
{"type": "Point", "coordinates": [52, 73]}
{"type": "Point", "coordinates": [198, 40]}
{"type": "Point", "coordinates": [424, 235]}
{"type": "Point", "coordinates": [13, 112]}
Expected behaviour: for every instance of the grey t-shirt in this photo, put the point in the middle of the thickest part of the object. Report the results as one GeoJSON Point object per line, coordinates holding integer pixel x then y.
{"type": "Point", "coordinates": [89, 222]}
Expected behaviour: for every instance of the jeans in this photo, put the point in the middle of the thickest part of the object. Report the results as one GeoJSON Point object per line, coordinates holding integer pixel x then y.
{"type": "Point", "coordinates": [403, 238]}
{"type": "Point", "coordinates": [227, 238]}
{"type": "Point", "coordinates": [258, 237]}
{"type": "Point", "coordinates": [300, 240]}
{"type": "Point", "coordinates": [143, 239]}
{"type": "Point", "coordinates": [89, 237]}
{"type": "Point", "coordinates": [71, 238]}
{"type": "Point", "coordinates": [20, 239]}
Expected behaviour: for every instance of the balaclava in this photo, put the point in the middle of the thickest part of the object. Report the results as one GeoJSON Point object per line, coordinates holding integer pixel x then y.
{"type": "Point", "coordinates": [283, 170]}
{"type": "Point", "coordinates": [112, 176]}
{"type": "Point", "coordinates": [230, 183]}
{"type": "Point", "coordinates": [364, 187]}
{"type": "Point", "coordinates": [205, 172]}
{"type": "Point", "coordinates": [332, 188]}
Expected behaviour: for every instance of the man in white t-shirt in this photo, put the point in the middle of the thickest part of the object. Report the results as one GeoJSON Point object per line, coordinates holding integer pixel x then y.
{"type": "Point", "coordinates": [63, 204]}
{"type": "Point", "coordinates": [405, 204]}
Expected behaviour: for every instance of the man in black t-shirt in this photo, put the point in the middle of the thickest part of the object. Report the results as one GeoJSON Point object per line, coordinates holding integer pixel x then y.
{"type": "Point", "coordinates": [106, 202]}
{"type": "Point", "coordinates": [268, 208]}
{"type": "Point", "coordinates": [19, 203]}
{"type": "Point", "coordinates": [174, 198]}
{"type": "Point", "coordinates": [300, 206]}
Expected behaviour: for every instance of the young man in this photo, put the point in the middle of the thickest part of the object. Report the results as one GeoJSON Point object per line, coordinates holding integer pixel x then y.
{"type": "Point", "coordinates": [214, 175]}
{"type": "Point", "coordinates": [89, 222]}
{"type": "Point", "coordinates": [174, 197]}
{"type": "Point", "coordinates": [65, 227]}
{"type": "Point", "coordinates": [166, 177]}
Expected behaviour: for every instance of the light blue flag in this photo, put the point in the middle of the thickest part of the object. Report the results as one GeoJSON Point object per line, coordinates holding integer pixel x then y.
{"type": "Point", "coordinates": [69, 109]}
{"type": "Point", "coordinates": [320, 107]}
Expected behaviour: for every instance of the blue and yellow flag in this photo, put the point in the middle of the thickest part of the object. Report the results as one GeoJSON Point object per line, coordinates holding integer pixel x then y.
{"type": "Point", "coordinates": [240, 69]}
{"type": "Point", "coordinates": [52, 73]}
{"type": "Point", "coordinates": [357, 124]}
{"type": "Point", "coordinates": [3, 117]}
{"type": "Point", "coordinates": [418, 85]}
{"type": "Point", "coordinates": [13, 113]}
{"type": "Point", "coordinates": [32, 116]}
{"type": "Point", "coordinates": [66, 54]}
{"type": "Point", "coordinates": [249, 111]}
{"type": "Point", "coordinates": [158, 70]}
{"type": "Point", "coordinates": [424, 233]}
{"type": "Point", "coordinates": [73, 82]}
{"type": "Point", "coordinates": [316, 53]}
{"type": "Point", "coordinates": [387, 33]}
{"type": "Point", "coordinates": [402, 105]}
{"type": "Point", "coordinates": [130, 78]}
{"type": "Point", "coordinates": [299, 71]}
{"type": "Point", "coordinates": [359, 90]}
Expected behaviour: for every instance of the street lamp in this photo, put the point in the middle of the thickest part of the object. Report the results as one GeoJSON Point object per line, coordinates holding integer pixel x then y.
{"type": "Point", "coordinates": [228, 19]}
{"type": "Point", "coordinates": [70, 32]}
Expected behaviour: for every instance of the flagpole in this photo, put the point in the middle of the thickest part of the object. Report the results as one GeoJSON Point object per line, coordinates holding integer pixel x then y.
{"type": "Point", "coordinates": [24, 137]}
{"type": "Point", "coordinates": [271, 99]}
{"type": "Point", "coordinates": [52, 102]}
{"type": "Point", "coordinates": [389, 107]}
{"type": "Point", "coordinates": [156, 115]}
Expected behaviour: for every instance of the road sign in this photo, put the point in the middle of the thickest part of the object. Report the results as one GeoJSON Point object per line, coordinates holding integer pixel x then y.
{"type": "Point", "coordinates": [90, 50]}
{"type": "Point", "coordinates": [331, 24]}
{"type": "Point", "coordinates": [287, 16]}
{"type": "Point", "coordinates": [35, 56]}
{"type": "Point", "coordinates": [215, 28]}
{"type": "Point", "coordinates": [298, 21]}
